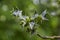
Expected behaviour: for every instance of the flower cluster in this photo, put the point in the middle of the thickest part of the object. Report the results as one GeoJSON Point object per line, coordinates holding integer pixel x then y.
{"type": "Point", "coordinates": [26, 20]}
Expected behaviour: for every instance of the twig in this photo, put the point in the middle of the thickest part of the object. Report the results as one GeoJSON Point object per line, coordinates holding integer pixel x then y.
{"type": "Point", "coordinates": [49, 37]}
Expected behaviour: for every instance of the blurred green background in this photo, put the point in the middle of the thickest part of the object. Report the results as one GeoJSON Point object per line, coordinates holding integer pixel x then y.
{"type": "Point", "coordinates": [10, 28]}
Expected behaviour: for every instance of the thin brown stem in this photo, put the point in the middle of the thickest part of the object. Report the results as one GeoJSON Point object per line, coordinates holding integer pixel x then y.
{"type": "Point", "coordinates": [49, 37]}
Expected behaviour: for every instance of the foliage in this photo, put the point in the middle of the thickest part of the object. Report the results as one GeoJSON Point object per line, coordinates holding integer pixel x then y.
{"type": "Point", "coordinates": [10, 28]}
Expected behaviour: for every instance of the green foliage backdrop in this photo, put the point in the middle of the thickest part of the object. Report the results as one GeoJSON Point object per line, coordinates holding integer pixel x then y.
{"type": "Point", "coordinates": [10, 29]}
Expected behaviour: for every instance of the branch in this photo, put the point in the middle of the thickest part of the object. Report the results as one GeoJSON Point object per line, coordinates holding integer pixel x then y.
{"type": "Point", "coordinates": [49, 37]}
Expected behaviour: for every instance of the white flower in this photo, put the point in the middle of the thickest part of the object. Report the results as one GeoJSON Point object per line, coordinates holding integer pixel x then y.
{"type": "Point", "coordinates": [20, 13]}
{"type": "Point", "coordinates": [31, 24]}
{"type": "Point", "coordinates": [35, 16]}
{"type": "Point", "coordinates": [17, 13]}
{"type": "Point", "coordinates": [43, 15]}
{"type": "Point", "coordinates": [24, 17]}
{"type": "Point", "coordinates": [43, 18]}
